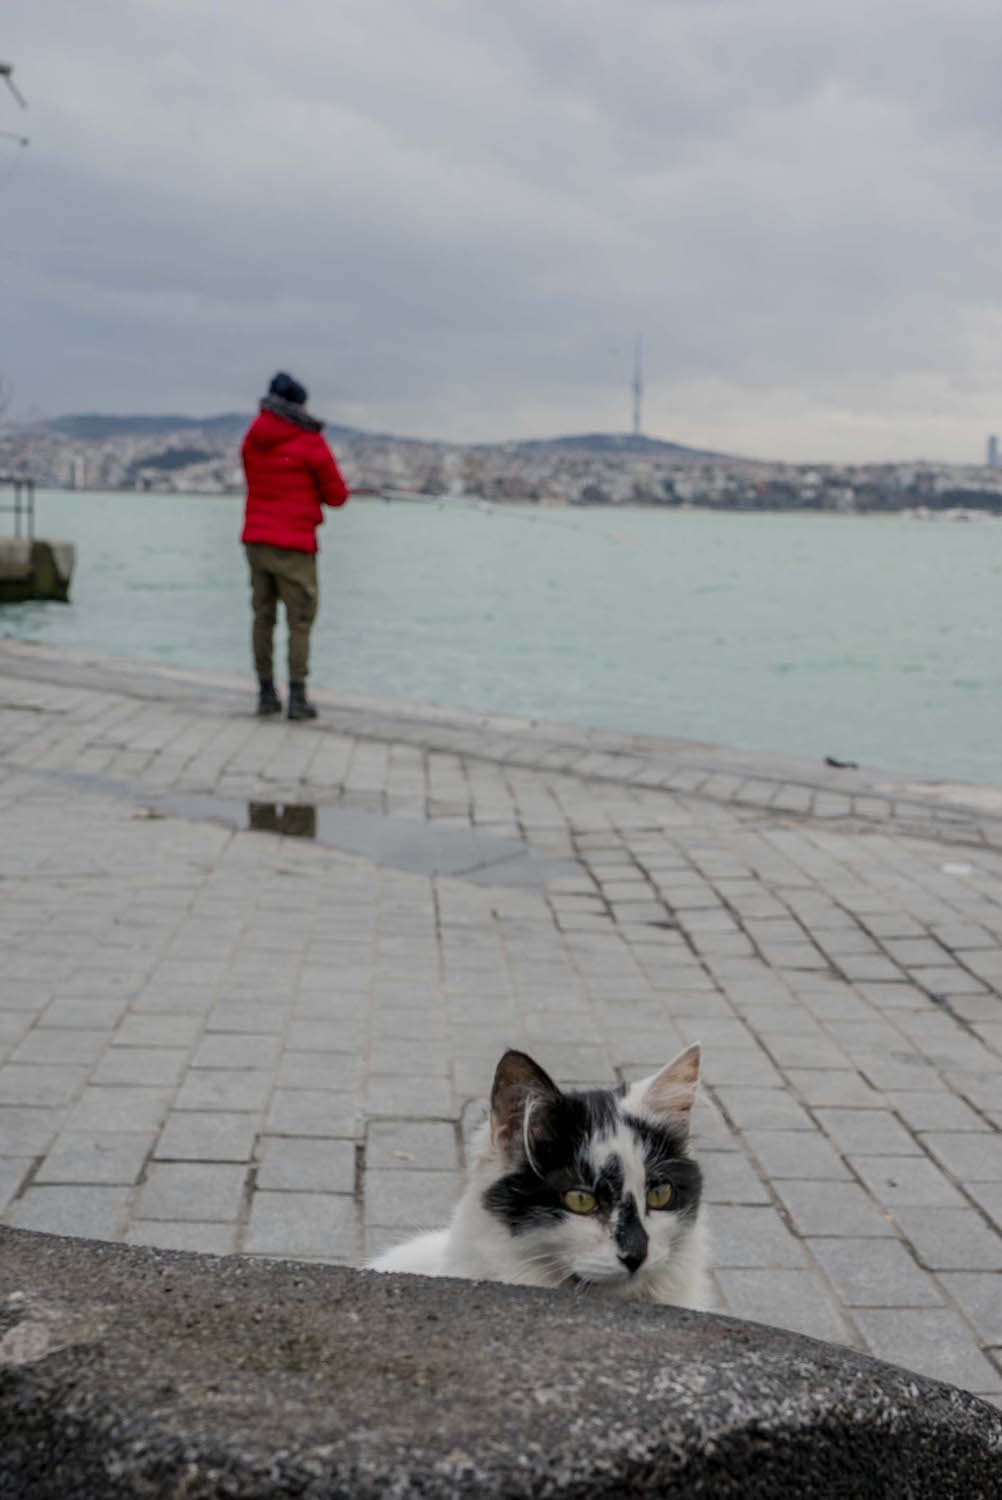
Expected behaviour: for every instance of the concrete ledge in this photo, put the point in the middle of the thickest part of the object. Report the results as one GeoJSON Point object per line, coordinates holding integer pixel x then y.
{"type": "Point", "coordinates": [142, 1373]}
{"type": "Point", "coordinates": [15, 559]}
{"type": "Point", "coordinates": [36, 569]}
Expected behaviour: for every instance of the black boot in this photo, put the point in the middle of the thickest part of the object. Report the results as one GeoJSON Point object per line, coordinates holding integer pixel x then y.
{"type": "Point", "coordinates": [268, 701]}
{"type": "Point", "coordinates": [299, 705]}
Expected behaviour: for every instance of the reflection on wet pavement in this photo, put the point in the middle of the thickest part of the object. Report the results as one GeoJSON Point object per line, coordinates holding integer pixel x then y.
{"type": "Point", "coordinates": [298, 820]}
{"type": "Point", "coordinates": [415, 844]}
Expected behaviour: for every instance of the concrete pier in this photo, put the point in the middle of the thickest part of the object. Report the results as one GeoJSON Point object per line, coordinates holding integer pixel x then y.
{"type": "Point", "coordinates": [33, 568]}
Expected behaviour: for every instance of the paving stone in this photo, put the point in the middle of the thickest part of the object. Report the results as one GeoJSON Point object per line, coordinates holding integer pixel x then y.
{"type": "Point", "coordinates": [418, 1098]}
{"type": "Point", "coordinates": [988, 1196]}
{"type": "Point", "coordinates": [204, 1239]}
{"type": "Point", "coordinates": [307, 1165]}
{"type": "Point", "coordinates": [207, 1135]}
{"type": "Point", "coordinates": [229, 1089]}
{"type": "Point", "coordinates": [934, 1342]}
{"type": "Point", "coordinates": [320, 1036]}
{"type": "Point", "coordinates": [160, 1002]}
{"type": "Point", "coordinates": [233, 1050]}
{"type": "Point", "coordinates": [971, 1156]}
{"type": "Point", "coordinates": [94, 1212]}
{"type": "Point", "coordinates": [906, 1181]}
{"type": "Point", "coordinates": [250, 1020]}
{"type": "Point", "coordinates": [420, 1145]}
{"type": "Point", "coordinates": [834, 1087]}
{"type": "Point", "coordinates": [27, 1132]}
{"type": "Point", "coordinates": [396, 1199]}
{"type": "Point", "coordinates": [978, 1294]}
{"type": "Point", "coordinates": [867, 967]}
{"type": "Point", "coordinates": [982, 1089]}
{"type": "Point", "coordinates": [771, 1020]}
{"type": "Point", "coordinates": [935, 1111]}
{"type": "Point", "coordinates": [302, 1226]}
{"type": "Point", "coordinates": [948, 980]}
{"type": "Point", "coordinates": [784, 1299]}
{"type": "Point", "coordinates": [914, 952]}
{"type": "Point", "coordinates": [898, 1070]}
{"type": "Point", "coordinates": [191, 1190]}
{"type": "Point", "coordinates": [140, 1065]}
{"type": "Point", "coordinates": [312, 1112]}
{"type": "Point", "coordinates": [746, 1067]}
{"type": "Point", "coordinates": [118, 1109]}
{"type": "Point", "coordinates": [56, 1045]}
{"type": "Point", "coordinates": [894, 997]}
{"type": "Point", "coordinates": [157, 1031]}
{"type": "Point", "coordinates": [13, 1171]}
{"type": "Point", "coordinates": [874, 1273]}
{"type": "Point", "coordinates": [763, 1109]}
{"type": "Point", "coordinates": [113, 1157]}
{"type": "Point", "coordinates": [795, 1153]}
{"type": "Point", "coordinates": [729, 1177]}
{"type": "Point", "coordinates": [951, 1239]}
{"type": "Point", "coordinates": [991, 1034]}
{"type": "Point", "coordinates": [710, 1131]}
{"type": "Point", "coordinates": [832, 1208]}
{"type": "Point", "coordinates": [80, 1013]}
{"type": "Point", "coordinates": [983, 1007]}
{"type": "Point", "coordinates": [751, 1237]}
{"type": "Point", "coordinates": [867, 1132]}
{"type": "Point", "coordinates": [40, 1083]}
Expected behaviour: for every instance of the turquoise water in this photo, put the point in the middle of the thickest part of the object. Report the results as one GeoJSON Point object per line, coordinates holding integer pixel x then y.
{"type": "Point", "coordinates": [871, 639]}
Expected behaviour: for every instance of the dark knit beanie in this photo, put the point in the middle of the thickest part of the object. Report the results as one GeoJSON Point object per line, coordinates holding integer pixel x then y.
{"type": "Point", "coordinates": [286, 389]}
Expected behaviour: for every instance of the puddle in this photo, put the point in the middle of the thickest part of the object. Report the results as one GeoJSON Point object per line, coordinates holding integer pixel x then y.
{"type": "Point", "coordinates": [414, 844]}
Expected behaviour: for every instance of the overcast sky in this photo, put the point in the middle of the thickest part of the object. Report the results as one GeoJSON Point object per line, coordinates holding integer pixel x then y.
{"type": "Point", "coordinates": [450, 217]}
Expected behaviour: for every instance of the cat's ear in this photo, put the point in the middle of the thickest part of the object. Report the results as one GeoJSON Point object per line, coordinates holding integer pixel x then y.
{"type": "Point", "coordinates": [670, 1094]}
{"type": "Point", "coordinates": [519, 1083]}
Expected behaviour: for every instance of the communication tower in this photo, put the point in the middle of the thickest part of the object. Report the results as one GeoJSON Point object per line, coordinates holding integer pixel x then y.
{"type": "Point", "coordinates": [993, 452]}
{"type": "Point", "coordinates": [638, 384]}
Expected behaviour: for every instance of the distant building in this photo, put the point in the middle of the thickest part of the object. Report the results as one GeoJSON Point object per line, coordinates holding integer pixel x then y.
{"type": "Point", "coordinates": [993, 452]}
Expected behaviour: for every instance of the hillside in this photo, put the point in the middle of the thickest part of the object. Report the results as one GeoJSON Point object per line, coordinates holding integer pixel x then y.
{"type": "Point", "coordinates": [99, 427]}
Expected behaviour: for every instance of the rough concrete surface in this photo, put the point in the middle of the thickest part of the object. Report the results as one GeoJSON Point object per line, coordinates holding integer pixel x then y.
{"type": "Point", "coordinates": [129, 1372]}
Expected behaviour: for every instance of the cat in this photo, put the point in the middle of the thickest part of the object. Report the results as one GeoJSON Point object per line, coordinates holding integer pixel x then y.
{"type": "Point", "coordinates": [595, 1190]}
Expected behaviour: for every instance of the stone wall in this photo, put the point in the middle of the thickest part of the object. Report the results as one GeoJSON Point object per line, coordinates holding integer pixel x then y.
{"type": "Point", "coordinates": [129, 1372]}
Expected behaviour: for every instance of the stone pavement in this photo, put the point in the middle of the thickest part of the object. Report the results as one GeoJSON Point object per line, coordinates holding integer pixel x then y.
{"type": "Point", "coordinates": [219, 1038]}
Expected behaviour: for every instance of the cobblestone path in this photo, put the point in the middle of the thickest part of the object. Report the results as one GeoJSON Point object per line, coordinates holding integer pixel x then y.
{"type": "Point", "coordinates": [229, 1037]}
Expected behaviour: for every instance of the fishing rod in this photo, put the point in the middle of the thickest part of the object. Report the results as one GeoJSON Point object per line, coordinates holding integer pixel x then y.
{"type": "Point", "coordinates": [530, 518]}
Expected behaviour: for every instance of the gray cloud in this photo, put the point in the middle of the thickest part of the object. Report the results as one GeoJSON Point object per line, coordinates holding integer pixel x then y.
{"type": "Point", "coordinates": [450, 218]}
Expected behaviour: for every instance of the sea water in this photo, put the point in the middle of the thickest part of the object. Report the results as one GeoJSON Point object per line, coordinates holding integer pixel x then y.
{"type": "Point", "coordinates": [872, 639]}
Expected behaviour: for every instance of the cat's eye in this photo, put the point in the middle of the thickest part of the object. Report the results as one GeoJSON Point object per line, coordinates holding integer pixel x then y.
{"type": "Point", "coordinates": [660, 1196]}
{"type": "Point", "coordinates": [580, 1202]}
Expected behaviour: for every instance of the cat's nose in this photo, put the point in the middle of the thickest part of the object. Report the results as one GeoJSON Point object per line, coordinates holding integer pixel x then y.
{"type": "Point", "coordinates": [631, 1236]}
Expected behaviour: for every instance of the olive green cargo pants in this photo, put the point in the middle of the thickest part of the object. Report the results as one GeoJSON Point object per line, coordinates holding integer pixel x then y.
{"type": "Point", "coordinates": [282, 573]}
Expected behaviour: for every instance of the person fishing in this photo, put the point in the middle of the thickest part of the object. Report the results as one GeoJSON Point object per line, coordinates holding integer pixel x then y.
{"type": "Point", "coordinates": [291, 474]}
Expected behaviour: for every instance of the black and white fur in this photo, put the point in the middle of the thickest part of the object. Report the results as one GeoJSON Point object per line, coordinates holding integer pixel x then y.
{"type": "Point", "coordinates": [541, 1143]}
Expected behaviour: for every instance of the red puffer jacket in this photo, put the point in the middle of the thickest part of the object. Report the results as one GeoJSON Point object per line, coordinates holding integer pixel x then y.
{"type": "Point", "coordinates": [290, 470]}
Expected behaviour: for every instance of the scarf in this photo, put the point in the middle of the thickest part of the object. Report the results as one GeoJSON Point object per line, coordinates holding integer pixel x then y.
{"type": "Point", "coordinates": [290, 411]}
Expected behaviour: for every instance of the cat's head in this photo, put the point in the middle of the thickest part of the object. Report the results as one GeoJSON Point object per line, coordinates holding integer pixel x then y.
{"type": "Point", "coordinates": [596, 1188]}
